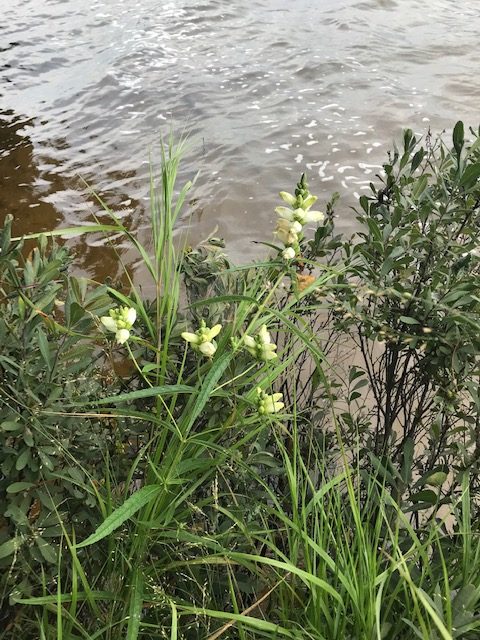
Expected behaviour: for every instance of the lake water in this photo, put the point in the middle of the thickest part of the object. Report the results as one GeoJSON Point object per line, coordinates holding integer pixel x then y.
{"type": "Point", "coordinates": [267, 89]}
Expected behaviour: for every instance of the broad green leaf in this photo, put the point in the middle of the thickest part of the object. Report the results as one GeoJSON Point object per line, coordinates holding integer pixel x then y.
{"type": "Point", "coordinates": [17, 487]}
{"type": "Point", "coordinates": [9, 547]}
{"type": "Point", "coordinates": [427, 495]}
{"type": "Point", "coordinates": [470, 176]}
{"type": "Point", "coordinates": [22, 460]}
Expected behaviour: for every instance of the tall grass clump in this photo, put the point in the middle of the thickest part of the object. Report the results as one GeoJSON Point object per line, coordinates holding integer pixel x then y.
{"type": "Point", "coordinates": [281, 449]}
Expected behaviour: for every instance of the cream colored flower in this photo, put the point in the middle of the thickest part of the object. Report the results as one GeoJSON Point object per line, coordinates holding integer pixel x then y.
{"type": "Point", "coordinates": [287, 232]}
{"type": "Point", "coordinates": [269, 404]}
{"type": "Point", "coordinates": [289, 253]}
{"type": "Point", "coordinates": [203, 339]}
{"type": "Point", "coordinates": [303, 216]}
{"type": "Point", "coordinates": [120, 321]}
{"type": "Point", "coordinates": [261, 346]}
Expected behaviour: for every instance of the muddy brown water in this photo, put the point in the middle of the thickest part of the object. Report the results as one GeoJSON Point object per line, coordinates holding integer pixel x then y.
{"type": "Point", "coordinates": [266, 89]}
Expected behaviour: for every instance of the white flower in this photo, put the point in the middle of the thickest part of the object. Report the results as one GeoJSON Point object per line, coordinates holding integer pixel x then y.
{"type": "Point", "coordinates": [268, 404]}
{"type": "Point", "coordinates": [261, 346]}
{"type": "Point", "coordinates": [203, 339]}
{"type": "Point", "coordinates": [305, 216]}
{"type": "Point", "coordinates": [285, 212]}
{"type": "Point", "coordinates": [296, 226]}
{"type": "Point", "coordinates": [286, 231]}
{"type": "Point", "coordinates": [289, 253]}
{"type": "Point", "coordinates": [120, 321]}
{"type": "Point", "coordinates": [207, 348]}
{"type": "Point", "coordinates": [300, 215]}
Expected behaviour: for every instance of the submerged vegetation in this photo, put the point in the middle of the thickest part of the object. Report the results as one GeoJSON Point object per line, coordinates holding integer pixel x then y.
{"type": "Point", "coordinates": [285, 449]}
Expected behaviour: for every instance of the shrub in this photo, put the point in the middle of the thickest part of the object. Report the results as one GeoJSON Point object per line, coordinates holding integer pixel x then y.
{"type": "Point", "coordinates": [48, 457]}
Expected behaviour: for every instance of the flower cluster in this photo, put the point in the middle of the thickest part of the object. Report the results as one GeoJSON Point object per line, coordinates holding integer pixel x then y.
{"type": "Point", "coordinates": [261, 346]}
{"type": "Point", "coordinates": [293, 218]}
{"type": "Point", "coordinates": [120, 321]}
{"type": "Point", "coordinates": [203, 339]}
{"type": "Point", "coordinates": [268, 404]}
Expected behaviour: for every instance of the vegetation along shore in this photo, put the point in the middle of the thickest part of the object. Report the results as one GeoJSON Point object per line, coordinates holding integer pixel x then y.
{"type": "Point", "coordinates": [283, 449]}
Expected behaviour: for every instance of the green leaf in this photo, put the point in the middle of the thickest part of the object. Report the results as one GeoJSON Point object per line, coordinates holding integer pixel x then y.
{"type": "Point", "coordinates": [17, 487]}
{"type": "Point", "coordinates": [44, 348]}
{"type": "Point", "coordinates": [9, 547]}
{"type": "Point", "coordinates": [22, 460]}
{"type": "Point", "coordinates": [136, 605]}
{"type": "Point", "coordinates": [470, 176]}
{"type": "Point", "coordinates": [43, 303]}
{"type": "Point", "coordinates": [198, 402]}
{"type": "Point", "coordinates": [10, 425]}
{"type": "Point", "coordinates": [167, 390]}
{"type": "Point", "coordinates": [458, 137]}
{"type": "Point", "coordinates": [408, 320]}
{"type": "Point", "coordinates": [419, 187]}
{"type": "Point", "coordinates": [115, 520]}
{"type": "Point", "coordinates": [436, 478]}
{"type": "Point", "coordinates": [417, 159]}
{"type": "Point", "coordinates": [47, 550]}
{"type": "Point", "coordinates": [426, 495]}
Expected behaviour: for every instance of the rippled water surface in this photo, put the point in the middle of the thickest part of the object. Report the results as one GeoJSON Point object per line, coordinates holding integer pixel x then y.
{"type": "Point", "coordinates": [267, 88]}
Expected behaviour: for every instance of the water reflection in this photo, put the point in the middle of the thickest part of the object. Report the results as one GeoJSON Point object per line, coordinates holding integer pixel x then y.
{"type": "Point", "coordinates": [23, 185]}
{"type": "Point", "coordinates": [268, 89]}
{"type": "Point", "coordinates": [32, 190]}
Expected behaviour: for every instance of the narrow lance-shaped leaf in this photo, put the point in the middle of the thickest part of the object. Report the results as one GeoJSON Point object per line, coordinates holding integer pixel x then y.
{"type": "Point", "coordinates": [115, 520]}
{"type": "Point", "coordinates": [458, 137]}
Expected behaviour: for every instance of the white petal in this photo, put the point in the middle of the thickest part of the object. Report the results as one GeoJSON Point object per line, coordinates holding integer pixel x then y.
{"type": "Point", "coordinates": [214, 331]}
{"type": "Point", "coordinates": [314, 216]}
{"type": "Point", "coordinates": [297, 227]}
{"type": "Point", "coordinates": [288, 198]}
{"type": "Point", "coordinates": [283, 212]}
{"type": "Point", "coordinates": [249, 342]}
{"type": "Point", "coordinates": [207, 348]}
{"type": "Point", "coordinates": [269, 355]}
{"type": "Point", "coordinates": [269, 347]}
{"type": "Point", "coordinates": [122, 335]}
{"type": "Point", "coordinates": [300, 216]}
{"type": "Point", "coordinates": [190, 337]}
{"type": "Point", "coordinates": [271, 406]}
{"type": "Point", "coordinates": [109, 323]}
{"type": "Point", "coordinates": [284, 225]}
{"type": "Point", "coordinates": [289, 253]}
{"type": "Point", "coordinates": [264, 335]}
{"type": "Point", "coordinates": [131, 316]}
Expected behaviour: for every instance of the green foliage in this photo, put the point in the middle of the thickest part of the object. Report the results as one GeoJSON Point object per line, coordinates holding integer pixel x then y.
{"type": "Point", "coordinates": [410, 303]}
{"type": "Point", "coordinates": [47, 460]}
{"type": "Point", "coordinates": [232, 477]}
